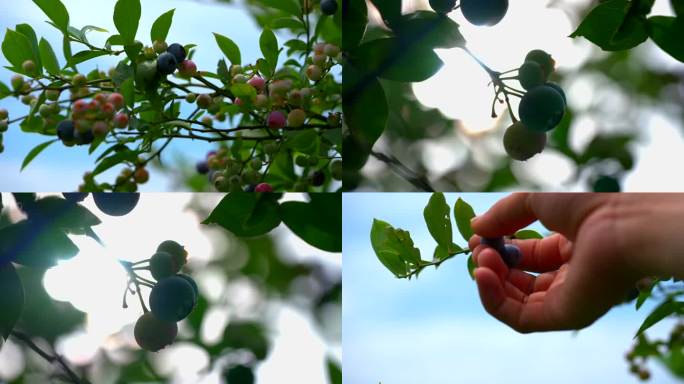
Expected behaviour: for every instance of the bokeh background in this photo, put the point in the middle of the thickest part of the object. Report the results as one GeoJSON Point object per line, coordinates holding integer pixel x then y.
{"type": "Point", "coordinates": [434, 330]}
{"type": "Point", "coordinates": [629, 103]}
{"type": "Point", "coordinates": [194, 22]}
{"type": "Point", "coordinates": [286, 290]}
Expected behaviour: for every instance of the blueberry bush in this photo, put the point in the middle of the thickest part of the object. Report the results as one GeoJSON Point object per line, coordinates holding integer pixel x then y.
{"type": "Point", "coordinates": [275, 122]}
{"type": "Point", "coordinates": [384, 55]}
{"type": "Point", "coordinates": [394, 248]}
{"type": "Point", "coordinates": [163, 285]}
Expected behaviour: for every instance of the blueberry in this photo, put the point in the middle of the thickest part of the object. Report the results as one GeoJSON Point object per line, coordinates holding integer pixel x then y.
{"type": "Point", "coordinates": [83, 138]}
{"type": "Point", "coordinates": [166, 63]}
{"type": "Point", "coordinates": [329, 7]}
{"type": "Point", "coordinates": [494, 242]}
{"type": "Point", "coordinates": [172, 299]}
{"type": "Point", "coordinates": [511, 256]}
{"type": "Point", "coordinates": [65, 130]}
{"type": "Point", "coordinates": [202, 168]}
{"type": "Point", "coordinates": [75, 197]}
{"type": "Point", "coordinates": [177, 51]}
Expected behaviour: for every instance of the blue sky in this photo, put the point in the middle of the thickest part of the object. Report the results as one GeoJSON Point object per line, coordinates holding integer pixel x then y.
{"type": "Point", "coordinates": [60, 168]}
{"type": "Point", "coordinates": [434, 330]}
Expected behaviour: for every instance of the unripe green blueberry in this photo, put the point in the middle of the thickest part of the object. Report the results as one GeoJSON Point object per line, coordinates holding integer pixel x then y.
{"type": "Point", "coordinates": [29, 66]}
{"type": "Point", "coordinates": [235, 69]}
{"type": "Point", "coordinates": [204, 101]}
{"type": "Point", "coordinates": [79, 80]}
{"type": "Point", "coordinates": [141, 175]}
{"type": "Point", "coordinates": [45, 110]}
{"type": "Point", "coordinates": [220, 182]}
{"type": "Point", "coordinates": [442, 6]}
{"type": "Point", "coordinates": [4, 125]}
{"type": "Point", "coordinates": [270, 148]}
{"type": "Point", "coordinates": [531, 75]}
{"type": "Point", "coordinates": [116, 204]}
{"type": "Point", "coordinates": [26, 99]}
{"type": "Point", "coordinates": [542, 108]}
{"type": "Point", "coordinates": [280, 87]}
{"type": "Point", "coordinates": [251, 176]}
{"type": "Point", "coordinates": [208, 121]}
{"type": "Point", "coordinates": [239, 79]}
{"type": "Point", "coordinates": [256, 164]}
{"type": "Point", "coordinates": [314, 72]}
{"type": "Point", "coordinates": [545, 61]}
{"type": "Point", "coordinates": [296, 118]}
{"type": "Point", "coordinates": [221, 116]}
{"type": "Point", "coordinates": [319, 59]}
{"type": "Point", "coordinates": [313, 160]}
{"type": "Point", "coordinates": [336, 169]}
{"type": "Point", "coordinates": [149, 53]}
{"type": "Point", "coordinates": [484, 12]}
{"type": "Point", "coordinates": [162, 265]}
{"type": "Point", "coordinates": [190, 98]}
{"type": "Point", "coordinates": [214, 107]}
{"type": "Point", "coordinates": [172, 299]}
{"type": "Point", "coordinates": [153, 334]}
{"type": "Point", "coordinates": [522, 143]}
{"type": "Point", "coordinates": [3, 113]}
{"type": "Point", "coordinates": [52, 94]}
{"type": "Point", "coordinates": [295, 97]}
{"type": "Point", "coordinates": [302, 161]}
{"type": "Point", "coordinates": [260, 101]}
{"type": "Point", "coordinates": [331, 50]}
{"type": "Point", "coordinates": [17, 82]}
{"type": "Point", "coordinates": [174, 249]}
{"type": "Point", "coordinates": [160, 46]}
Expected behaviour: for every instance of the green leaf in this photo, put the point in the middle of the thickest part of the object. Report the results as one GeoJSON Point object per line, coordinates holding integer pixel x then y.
{"type": "Point", "coordinates": [438, 220]}
{"type": "Point", "coordinates": [354, 23]}
{"type": "Point", "coordinates": [161, 26]}
{"type": "Point", "coordinates": [471, 267]}
{"type": "Point", "coordinates": [667, 33]}
{"type": "Point", "coordinates": [128, 92]}
{"type": "Point", "coordinates": [246, 214]}
{"type": "Point", "coordinates": [84, 56]}
{"type": "Point", "coordinates": [394, 248]}
{"type": "Point", "coordinates": [287, 22]}
{"type": "Point", "coordinates": [34, 245]}
{"type": "Point", "coordinates": [365, 111]}
{"type": "Point", "coordinates": [57, 212]}
{"type": "Point", "coordinates": [17, 48]}
{"type": "Point", "coordinates": [30, 34]}
{"type": "Point", "coordinates": [269, 47]}
{"type": "Point", "coordinates": [318, 222]}
{"type": "Point", "coordinates": [55, 11]}
{"type": "Point", "coordinates": [35, 152]}
{"type": "Point", "coordinates": [289, 6]}
{"type": "Point", "coordinates": [645, 294]}
{"type": "Point", "coordinates": [12, 298]}
{"type": "Point", "coordinates": [612, 26]}
{"type": "Point", "coordinates": [441, 252]}
{"type": "Point", "coordinates": [229, 48]}
{"type": "Point", "coordinates": [392, 59]}
{"type": "Point", "coordinates": [48, 57]}
{"type": "Point", "coordinates": [525, 234]}
{"type": "Point", "coordinates": [429, 29]}
{"type": "Point", "coordinates": [665, 309]}
{"type": "Point", "coordinates": [250, 336]}
{"type": "Point", "coordinates": [113, 160]}
{"type": "Point", "coordinates": [390, 10]}
{"type": "Point", "coordinates": [243, 91]}
{"type": "Point", "coordinates": [334, 372]}
{"type": "Point", "coordinates": [463, 212]}
{"type": "Point", "coordinates": [126, 19]}
{"type": "Point", "coordinates": [303, 141]}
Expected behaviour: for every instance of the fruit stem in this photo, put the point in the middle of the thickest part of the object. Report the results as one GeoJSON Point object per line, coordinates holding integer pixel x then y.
{"type": "Point", "coordinates": [499, 86]}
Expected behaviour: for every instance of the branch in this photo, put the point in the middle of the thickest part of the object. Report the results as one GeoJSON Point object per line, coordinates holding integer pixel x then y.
{"type": "Point", "coordinates": [417, 180]}
{"type": "Point", "coordinates": [52, 359]}
{"type": "Point", "coordinates": [435, 264]}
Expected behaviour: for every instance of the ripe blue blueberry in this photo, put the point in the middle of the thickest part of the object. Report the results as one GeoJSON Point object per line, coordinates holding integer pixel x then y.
{"type": "Point", "coordinates": [172, 299]}
{"type": "Point", "coordinates": [177, 51]}
{"type": "Point", "coordinates": [484, 12]}
{"type": "Point", "coordinates": [75, 197]}
{"type": "Point", "coordinates": [329, 7]}
{"type": "Point", "coordinates": [202, 168]}
{"type": "Point", "coordinates": [86, 137]}
{"type": "Point", "coordinates": [542, 108]}
{"type": "Point", "coordinates": [65, 130]}
{"type": "Point", "coordinates": [495, 242]}
{"type": "Point", "coordinates": [166, 63]}
{"type": "Point", "coordinates": [559, 89]}
{"type": "Point", "coordinates": [512, 255]}
{"type": "Point", "coordinates": [116, 204]}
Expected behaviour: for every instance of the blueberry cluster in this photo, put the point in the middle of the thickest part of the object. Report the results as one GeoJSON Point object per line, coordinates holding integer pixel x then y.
{"type": "Point", "coordinates": [510, 253]}
{"type": "Point", "coordinates": [541, 108]}
{"type": "Point", "coordinates": [172, 299]}
{"type": "Point", "coordinates": [89, 119]}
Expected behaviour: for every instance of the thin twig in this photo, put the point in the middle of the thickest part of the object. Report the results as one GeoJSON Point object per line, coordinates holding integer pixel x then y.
{"type": "Point", "coordinates": [417, 180]}
{"type": "Point", "coordinates": [50, 358]}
